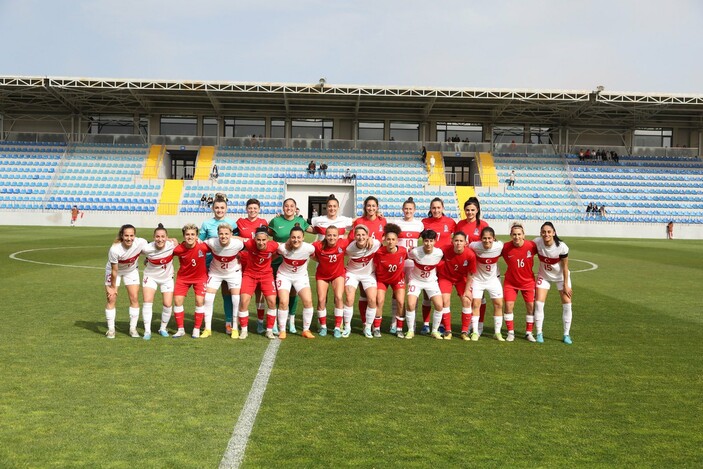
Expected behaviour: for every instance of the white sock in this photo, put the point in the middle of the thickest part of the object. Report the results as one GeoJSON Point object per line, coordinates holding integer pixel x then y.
{"type": "Point", "coordinates": [147, 314]}
{"type": "Point", "coordinates": [282, 319]}
{"type": "Point", "coordinates": [133, 317]}
{"type": "Point", "coordinates": [165, 316]}
{"type": "Point", "coordinates": [436, 320]}
{"type": "Point", "coordinates": [307, 318]}
{"type": "Point", "coordinates": [207, 309]}
{"type": "Point", "coordinates": [394, 313]}
{"type": "Point", "coordinates": [497, 324]}
{"type": "Point", "coordinates": [110, 317]}
{"type": "Point", "coordinates": [539, 316]}
{"type": "Point", "coordinates": [370, 316]}
{"type": "Point", "coordinates": [410, 320]}
{"type": "Point", "coordinates": [530, 319]}
{"type": "Point", "coordinates": [566, 317]}
{"type": "Point", "coordinates": [235, 308]}
{"type": "Point", "coordinates": [474, 324]}
{"type": "Point", "coordinates": [348, 312]}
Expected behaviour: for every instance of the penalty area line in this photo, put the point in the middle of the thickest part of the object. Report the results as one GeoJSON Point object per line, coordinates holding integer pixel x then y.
{"type": "Point", "coordinates": [234, 454]}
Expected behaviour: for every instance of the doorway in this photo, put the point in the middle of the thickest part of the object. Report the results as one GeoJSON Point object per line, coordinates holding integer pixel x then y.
{"type": "Point", "coordinates": [317, 205]}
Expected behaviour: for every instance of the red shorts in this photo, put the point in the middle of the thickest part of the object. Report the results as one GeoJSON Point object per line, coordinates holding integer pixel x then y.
{"type": "Point", "coordinates": [381, 285]}
{"type": "Point", "coordinates": [249, 284]}
{"type": "Point", "coordinates": [446, 286]}
{"type": "Point", "coordinates": [329, 279]}
{"type": "Point", "coordinates": [181, 288]}
{"type": "Point", "coordinates": [510, 293]}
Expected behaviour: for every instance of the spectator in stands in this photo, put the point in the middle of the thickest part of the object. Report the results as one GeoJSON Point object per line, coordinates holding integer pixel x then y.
{"type": "Point", "coordinates": [432, 163]}
{"type": "Point", "coordinates": [423, 152]}
{"type": "Point", "coordinates": [203, 200]}
{"type": "Point", "coordinates": [323, 169]}
{"type": "Point", "coordinates": [582, 155]}
{"type": "Point", "coordinates": [254, 141]}
{"type": "Point", "coordinates": [215, 173]}
{"type": "Point", "coordinates": [209, 201]}
{"type": "Point", "coordinates": [511, 179]}
{"type": "Point", "coordinates": [589, 209]}
{"type": "Point", "coordinates": [602, 211]}
{"type": "Point", "coordinates": [670, 230]}
{"type": "Point", "coordinates": [587, 155]}
{"type": "Point", "coordinates": [348, 176]}
{"type": "Point", "coordinates": [615, 157]}
{"type": "Point", "coordinates": [311, 168]}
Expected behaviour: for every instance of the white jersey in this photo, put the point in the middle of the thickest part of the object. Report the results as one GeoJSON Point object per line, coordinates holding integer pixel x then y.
{"type": "Point", "coordinates": [361, 259]}
{"type": "Point", "coordinates": [549, 259]}
{"type": "Point", "coordinates": [159, 265]}
{"type": "Point", "coordinates": [320, 224]}
{"type": "Point", "coordinates": [409, 232]}
{"type": "Point", "coordinates": [295, 262]}
{"type": "Point", "coordinates": [487, 260]}
{"type": "Point", "coordinates": [224, 258]}
{"type": "Point", "coordinates": [126, 259]}
{"type": "Point", "coordinates": [425, 268]}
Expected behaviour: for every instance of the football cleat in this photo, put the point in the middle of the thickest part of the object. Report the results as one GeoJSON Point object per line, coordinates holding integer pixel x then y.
{"type": "Point", "coordinates": [367, 332]}
{"type": "Point", "coordinates": [269, 335]}
{"type": "Point", "coordinates": [400, 334]}
{"type": "Point", "coordinates": [243, 335]}
{"type": "Point", "coordinates": [510, 337]}
{"type": "Point", "coordinates": [441, 329]}
{"type": "Point", "coordinates": [110, 334]}
{"type": "Point", "coordinates": [425, 330]}
{"type": "Point", "coordinates": [497, 336]}
{"type": "Point", "coordinates": [179, 334]}
{"type": "Point", "coordinates": [447, 335]}
{"type": "Point", "coordinates": [205, 334]}
{"type": "Point", "coordinates": [337, 333]}
{"type": "Point", "coordinates": [567, 340]}
{"type": "Point", "coordinates": [163, 332]}
{"type": "Point", "coordinates": [393, 330]}
{"type": "Point", "coordinates": [292, 329]}
{"type": "Point", "coordinates": [465, 336]}
{"type": "Point", "coordinates": [529, 337]}
{"type": "Point", "coordinates": [147, 336]}
{"type": "Point", "coordinates": [474, 337]}
{"type": "Point", "coordinates": [308, 335]}
{"type": "Point", "coordinates": [275, 328]}
{"type": "Point", "coordinates": [540, 338]}
{"type": "Point", "coordinates": [228, 329]}
{"type": "Point", "coordinates": [323, 331]}
{"type": "Point", "coordinates": [282, 334]}
{"type": "Point", "coordinates": [235, 333]}
{"type": "Point", "coordinates": [347, 331]}
{"type": "Point", "coordinates": [377, 333]}
{"type": "Point", "coordinates": [260, 329]}
{"type": "Point", "coordinates": [134, 333]}
{"type": "Point", "coordinates": [436, 335]}
{"type": "Point", "coordinates": [196, 334]}
{"type": "Point", "coordinates": [410, 334]}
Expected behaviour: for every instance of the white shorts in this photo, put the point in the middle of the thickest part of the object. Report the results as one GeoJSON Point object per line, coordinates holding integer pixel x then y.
{"type": "Point", "coordinates": [233, 279]}
{"type": "Point", "coordinates": [415, 288]}
{"type": "Point", "coordinates": [283, 282]}
{"type": "Point", "coordinates": [545, 284]}
{"type": "Point", "coordinates": [130, 278]}
{"type": "Point", "coordinates": [492, 286]}
{"type": "Point", "coordinates": [153, 282]}
{"type": "Point", "coordinates": [353, 280]}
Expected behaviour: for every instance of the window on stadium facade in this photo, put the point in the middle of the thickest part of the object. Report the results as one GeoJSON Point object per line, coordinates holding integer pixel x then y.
{"type": "Point", "coordinates": [237, 127]}
{"type": "Point", "coordinates": [278, 128]}
{"type": "Point", "coordinates": [405, 131]}
{"type": "Point", "coordinates": [209, 126]}
{"type": "Point", "coordinates": [371, 130]}
{"type": "Point", "coordinates": [464, 131]}
{"type": "Point", "coordinates": [179, 125]}
{"type": "Point", "coordinates": [122, 125]}
{"type": "Point", "coordinates": [313, 128]}
{"type": "Point", "coordinates": [508, 134]}
{"type": "Point", "coordinates": [540, 135]}
{"type": "Point", "coordinates": [653, 137]}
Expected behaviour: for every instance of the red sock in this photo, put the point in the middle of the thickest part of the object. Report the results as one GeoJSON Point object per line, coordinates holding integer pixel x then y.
{"type": "Point", "coordinates": [179, 320]}
{"type": "Point", "coordinates": [529, 326]}
{"type": "Point", "coordinates": [323, 321]}
{"type": "Point", "coordinates": [363, 304]}
{"type": "Point", "coordinates": [426, 312]}
{"type": "Point", "coordinates": [270, 321]}
{"type": "Point", "coordinates": [400, 322]}
{"type": "Point", "coordinates": [482, 312]}
{"type": "Point", "coordinates": [338, 322]}
{"type": "Point", "coordinates": [198, 320]}
{"type": "Point", "coordinates": [465, 322]}
{"type": "Point", "coordinates": [243, 321]}
{"type": "Point", "coordinates": [447, 321]}
{"type": "Point", "coordinates": [377, 322]}
{"type": "Point", "coordinates": [510, 325]}
{"type": "Point", "coordinates": [260, 314]}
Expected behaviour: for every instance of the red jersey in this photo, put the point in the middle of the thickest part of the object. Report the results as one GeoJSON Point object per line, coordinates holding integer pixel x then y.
{"type": "Point", "coordinates": [444, 226]}
{"type": "Point", "coordinates": [330, 261]}
{"type": "Point", "coordinates": [192, 267]}
{"type": "Point", "coordinates": [455, 267]}
{"type": "Point", "coordinates": [259, 262]}
{"type": "Point", "coordinates": [247, 229]}
{"type": "Point", "coordinates": [473, 233]}
{"type": "Point", "coordinates": [390, 267]}
{"type": "Point", "coordinates": [520, 261]}
{"type": "Point", "coordinates": [375, 226]}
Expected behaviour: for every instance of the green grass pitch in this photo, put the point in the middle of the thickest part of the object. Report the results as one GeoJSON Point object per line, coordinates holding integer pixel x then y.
{"type": "Point", "coordinates": [628, 393]}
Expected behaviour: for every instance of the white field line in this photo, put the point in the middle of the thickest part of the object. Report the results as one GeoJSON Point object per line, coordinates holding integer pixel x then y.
{"type": "Point", "coordinates": [593, 266]}
{"type": "Point", "coordinates": [14, 256]}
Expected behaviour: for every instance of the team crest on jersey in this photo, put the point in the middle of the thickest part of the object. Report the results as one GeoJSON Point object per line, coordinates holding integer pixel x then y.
{"type": "Point", "coordinates": [200, 254]}
{"type": "Point", "coordinates": [339, 250]}
{"type": "Point", "coordinates": [476, 231]}
{"type": "Point", "coordinates": [529, 254]}
{"type": "Point", "coordinates": [446, 228]}
{"type": "Point", "coordinates": [465, 263]}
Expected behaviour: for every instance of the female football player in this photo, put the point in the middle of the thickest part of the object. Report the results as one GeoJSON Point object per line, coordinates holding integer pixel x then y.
{"type": "Point", "coordinates": [158, 273]}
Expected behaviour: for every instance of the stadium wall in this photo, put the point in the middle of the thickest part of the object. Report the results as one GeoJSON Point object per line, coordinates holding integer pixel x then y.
{"type": "Point", "coordinates": [594, 229]}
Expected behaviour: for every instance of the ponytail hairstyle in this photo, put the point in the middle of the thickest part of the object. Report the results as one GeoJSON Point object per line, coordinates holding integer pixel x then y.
{"type": "Point", "coordinates": [557, 240]}
{"type": "Point", "coordinates": [436, 199]}
{"type": "Point", "coordinates": [474, 201]}
{"type": "Point", "coordinates": [331, 198]}
{"type": "Point", "coordinates": [370, 199]}
{"type": "Point", "coordinates": [160, 227]}
{"type": "Point", "coordinates": [120, 234]}
{"type": "Point", "coordinates": [409, 201]}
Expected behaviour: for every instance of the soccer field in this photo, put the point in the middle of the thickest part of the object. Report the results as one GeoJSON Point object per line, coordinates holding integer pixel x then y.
{"type": "Point", "coordinates": [629, 392]}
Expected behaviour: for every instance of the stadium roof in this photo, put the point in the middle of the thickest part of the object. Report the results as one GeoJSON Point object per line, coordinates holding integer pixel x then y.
{"type": "Point", "coordinates": [42, 96]}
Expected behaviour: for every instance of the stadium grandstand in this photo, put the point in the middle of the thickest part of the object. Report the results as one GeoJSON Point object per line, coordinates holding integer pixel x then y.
{"type": "Point", "coordinates": [134, 151]}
